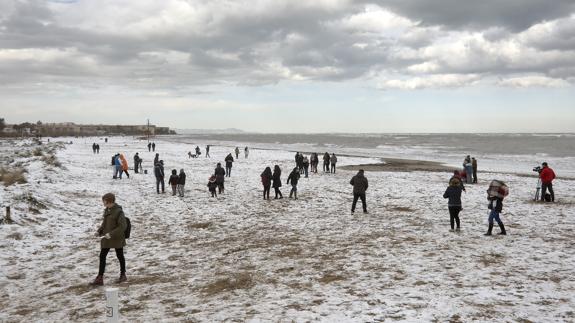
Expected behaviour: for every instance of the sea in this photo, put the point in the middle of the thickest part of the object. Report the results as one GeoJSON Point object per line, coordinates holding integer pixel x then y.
{"type": "Point", "coordinates": [513, 152]}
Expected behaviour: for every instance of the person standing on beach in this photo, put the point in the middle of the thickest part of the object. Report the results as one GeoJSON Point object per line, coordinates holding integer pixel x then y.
{"type": "Point", "coordinates": [474, 166]}
{"type": "Point", "coordinates": [198, 151]}
{"type": "Point", "coordinates": [266, 177]}
{"type": "Point", "coordinates": [496, 206]}
{"type": "Point", "coordinates": [333, 161]}
{"type": "Point", "coordinates": [124, 163]}
{"type": "Point", "coordinates": [237, 151]}
{"type": "Point", "coordinates": [207, 151]}
{"type": "Point", "coordinates": [453, 193]}
{"type": "Point", "coordinates": [111, 232]}
{"type": "Point", "coordinates": [314, 161]}
{"type": "Point", "coordinates": [468, 169]}
{"type": "Point", "coordinates": [293, 178]}
{"type": "Point", "coordinates": [220, 174]}
{"type": "Point", "coordinates": [173, 181]}
{"type": "Point", "coordinates": [305, 164]}
{"type": "Point", "coordinates": [136, 163]}
{"type": "Point", "coordinates": [360, 185]}
{"type": "Point", "coordinates": [299, 163]}
{"type": "Point", "coordinates": [159, 173]}
{"type": "Point", "coordinates": [326, 162]}
{"type": "Point", "coordinates": [97, 148]}
{"type": "Point", "coordinates": [94, 148]}
{"type": "Point", "coordinates": [246, 152]}
{"type": "Point", "coordinates": [156, 159]}
{"type": "Point", "coordinates": [181, 182]}
{"type": "Point", "coordinates": [277, 182]}
{"type": "Point", "coordinates": [154, 146]}
{"type": "Point", "coordinates": [117, 166]}
{"type": "Point", "coordinates": [212, 186]}
{"type": "Point", "coordinates": [547, 175]}
{"type": "Point", "coordinates": [149, 146]}
{"type": "Point", "coordinates": [229, 161]}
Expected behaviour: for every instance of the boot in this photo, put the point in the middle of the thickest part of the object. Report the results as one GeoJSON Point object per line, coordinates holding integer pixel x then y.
{"type": "Point", "coordinates": [295, 195]}
{"type": "Point", "coordinates": [502, 227]}
{"type": "Point", "coordinates": [489, 229]}
{"type": "Point", "coordinates": [99, 281]}
{"type": "Point", "coordinates": [122, 278]}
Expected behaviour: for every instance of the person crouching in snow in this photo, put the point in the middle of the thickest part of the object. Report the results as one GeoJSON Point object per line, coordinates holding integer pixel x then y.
{"type": "Point", "coordinates": [453, 193]}
{"type": "Point", "coordinates": [293, 178]}
{"type": "Point", "coordinates": [112, 236]}
{"type": "Point", "coordinates": [495, 194]}
{"type": "Point", "coordinates": [212, 185]}
{"type": "Point", "coordinates": [173, 181]}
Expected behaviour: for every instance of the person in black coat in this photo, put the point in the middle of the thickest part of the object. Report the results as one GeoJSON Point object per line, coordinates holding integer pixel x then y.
{"type": "Point", "coordinates": [293, 178]}
{"type": "Point", "coordinates": [360, 185]}
{"type": "Point", "coordinates": [159, 173]}
{"type": "Point", "coordinates": [326, 162]}
{"type": "Point", "coordinates": [266, 177]}
{"type": "Point", "coordinates": [229, 161]}
{"type": "Point", "coordinates": [277, 182]}
{"type": "Point", "coordinates": [181, 183]}
{"type": "Point", "coordinates": [220, 174]}
{"type": "Point", "coordinates": [153, 146]}
{"type": "Point", "coordinates": [453, 193]}
{"type": "Point", "coordinates": [149, 146]}
{"type": "Point", "coordinates": [136, 162]}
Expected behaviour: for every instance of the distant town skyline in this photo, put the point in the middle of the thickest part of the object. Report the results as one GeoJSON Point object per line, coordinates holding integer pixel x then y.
{"type": "Point", "coordinates": [380, 66]}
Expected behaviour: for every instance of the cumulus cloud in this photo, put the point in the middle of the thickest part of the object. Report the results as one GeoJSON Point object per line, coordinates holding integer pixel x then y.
{"type": "Point", "coordinates": [533, 81]}
{"type": "Point", "coordinates": [174, 44]}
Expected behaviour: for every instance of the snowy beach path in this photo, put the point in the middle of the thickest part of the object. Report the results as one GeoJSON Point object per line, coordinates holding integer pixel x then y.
{"type": "Point", "coordinates": [240, 258]}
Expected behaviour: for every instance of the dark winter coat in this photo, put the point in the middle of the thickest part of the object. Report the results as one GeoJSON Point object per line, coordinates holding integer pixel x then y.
{"type": "Point", "coordinates": [359, 183]}
{"type": "Point", "coordinates": [220, 174]}
{"type": "Point", "coordinates": [182, 178]}
{"type": "Point", "coordinates": [277, 182]}
{"type": "Point", "coordinates": [326, 158]}
{"type": "Point", "coordinates": [173, 180]}
{"type": "Point", "coordinates": [229, 160]}
{"type": "Point", "coordinates": [293, 177]}
{"type": "Point", "coordinates": [266, 178]}
{"type": "Point", "coordinates": [453, 193]}
{"type": "Point", "coordinates": [496, 202]}
{"type": "Point", "coordinates": [159, 171]}
{"type": "Point", "coordinates": [114, 223]}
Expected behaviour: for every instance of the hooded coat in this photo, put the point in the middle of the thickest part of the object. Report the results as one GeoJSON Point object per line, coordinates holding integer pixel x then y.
{"type": "Point", "coordinates": [276, 177]}
{"type": "Point", "coordinates": [114, 223]}
{"type": "Point", "coordinates": [359, 183]}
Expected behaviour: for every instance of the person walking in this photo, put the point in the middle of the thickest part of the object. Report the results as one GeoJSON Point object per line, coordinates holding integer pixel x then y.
{"type": "Point", "coordinates": [305, 164]}
{"type": "Point", "coordinates": [173, 181]}
{"type": "Point", "coordinates": [547, 175]}
{"type": "Point", "coordinates": [154, 146]}
{"type": "Point", "coordinates": [159, 173]}
{"type": "Point", "coordinates": [266, 177]}
{"type": "Point", "coordinates": [277, 182]}
{"type": "Point", "coordinates": [293, 178]}
{"type": "Point", "coordinates": [149, 146]}
{"type": "Point", "coordinates": [246, 152]}
{"type": "Point", "coordinates": [468, 169]}
{"type": "Point", "coordinates": [124, 163]}
{"type": "Point", "coordinates": [453, 193]}
{"type": "Point", "coordinates": [117, 166]}
{"type": "Point", "coordinates": [111, 232]}
{"type": "Point", "coordinates": [181, 182]}
{"type": "Point", "coordinates": [198, 151]}
{"type": "Point", "coordinates": [237, 151]}
{"type": "Point", "coordinates": [474, 166]}
{"type": "Point", "coordinates": [220, 174]}
{"type": "Point", "coordinates": [136, 163]}
{"type": "Point", "coordinates": [207, 151]}
{"type": "Point", "coordinates": [326, 162]}
{"type": "Point", "coordinates": [360, 185]}
{"type": "Point", "coordinates": [333, 161]}
{"type": "Point", "coordinates": [97, 148]}
{"type": "Point", "coordinates": [495, 194]}
{"type": "Point", "coordinates": [229, 161]}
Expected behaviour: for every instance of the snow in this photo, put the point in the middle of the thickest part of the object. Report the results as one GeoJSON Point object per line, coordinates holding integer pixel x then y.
{"type": "Point", "coordinates": [240, 258]}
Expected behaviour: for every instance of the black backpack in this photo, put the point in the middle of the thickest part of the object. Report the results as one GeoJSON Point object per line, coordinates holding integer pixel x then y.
{"type": "Point", "coordinates": [128, 228]}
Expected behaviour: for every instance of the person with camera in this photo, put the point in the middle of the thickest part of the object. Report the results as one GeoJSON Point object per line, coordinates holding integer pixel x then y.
{"type": "Point", "coordinates": [547, 175]}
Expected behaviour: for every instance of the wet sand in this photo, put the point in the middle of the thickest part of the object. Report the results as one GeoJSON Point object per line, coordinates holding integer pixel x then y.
{"type": "Point", "coordinates": [401, 165]}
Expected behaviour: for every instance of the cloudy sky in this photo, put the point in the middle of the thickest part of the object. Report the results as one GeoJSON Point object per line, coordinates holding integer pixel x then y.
{"type": "Point", "coordinates": [292, 66]}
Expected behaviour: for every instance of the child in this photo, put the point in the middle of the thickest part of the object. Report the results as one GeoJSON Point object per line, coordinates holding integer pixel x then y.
{"type": "Point", "coordinates": [212, 185]}
{"type": "Point", "coordinates": [267, 181]}
{"type": "Point", "coordinates": [495, 194]}
{"type": "Point", "coordinates": [293, 178]}
{"type": "Point", "coordinates": [174, 181]}
{"type": "Point", "coordinates": [181, 182]}
{"type": "Point", "coordinates": [453, 193]}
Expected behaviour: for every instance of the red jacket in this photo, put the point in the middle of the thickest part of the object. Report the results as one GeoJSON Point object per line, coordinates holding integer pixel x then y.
{"type": "Point", "coordinates": [547, 175]}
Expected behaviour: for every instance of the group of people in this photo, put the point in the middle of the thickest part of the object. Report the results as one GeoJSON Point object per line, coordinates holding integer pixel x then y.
{"type": "Point", "coordinates": [303, 163]}
{"type": "Point", "coordinates": [237, 151]}
{"type": "Point", "coordinates": [469, 172]}
{"type": "Point", "coordinates": [120, 165]}
{"type": "Point", "coordinates": [151, 146]}
{"type": "Point", "coordinates": [96, 148]}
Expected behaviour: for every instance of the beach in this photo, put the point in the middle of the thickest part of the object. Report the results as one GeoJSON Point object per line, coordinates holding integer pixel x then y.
{"type": "Point", "coordinates": [238, 257]}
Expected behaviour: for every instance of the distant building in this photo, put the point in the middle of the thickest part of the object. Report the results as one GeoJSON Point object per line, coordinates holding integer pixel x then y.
{"type": "Point", "coordinates": [72, 129]}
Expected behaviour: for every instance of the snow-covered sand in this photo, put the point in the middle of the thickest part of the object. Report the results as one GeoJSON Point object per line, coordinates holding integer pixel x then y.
{"type": "Point", "coordinates": [240, 258]}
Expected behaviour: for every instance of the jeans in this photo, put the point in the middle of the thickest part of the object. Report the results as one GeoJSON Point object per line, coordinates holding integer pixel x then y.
{"type": "Point", "coordinates": [228, 171]}
{"type": "Point", "coordinates": [158, 182]}
{"type": "Point", "coordinates": [117, 171]}
{"type": "Point", "coordinates": [469, 174]}
{"type": "Point", "coordinates": [119, 254]}
{"type": "Point", "coordinates": [454, 215]}
{"type": "Point", "coordinates": [180, 189]}
{"type": "Point", "coordinates": [363, 204]}
{"type": "Point", "coordinates": [494, 215]}
{"type": "Point", "coordinates": [333, 168]}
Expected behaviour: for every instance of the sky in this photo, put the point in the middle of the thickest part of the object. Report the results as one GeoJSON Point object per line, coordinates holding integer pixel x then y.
{"type": "Point", "coordinates": [292, 66]}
